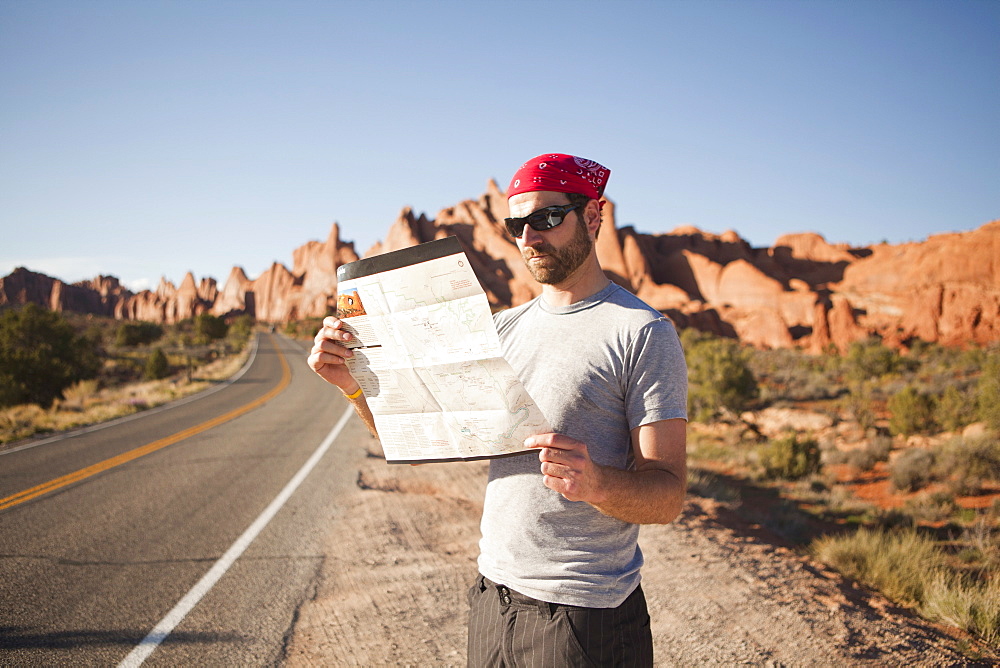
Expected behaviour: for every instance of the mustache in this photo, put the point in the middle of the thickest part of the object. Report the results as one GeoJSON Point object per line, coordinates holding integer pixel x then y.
{"type": "Point", "coordinates": [541, 249]}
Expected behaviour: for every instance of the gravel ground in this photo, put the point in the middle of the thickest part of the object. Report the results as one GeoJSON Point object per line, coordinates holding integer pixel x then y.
{"type": "Point", "coordinates": [400, 559]}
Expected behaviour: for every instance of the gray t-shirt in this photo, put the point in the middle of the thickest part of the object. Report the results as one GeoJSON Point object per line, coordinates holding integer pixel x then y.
{"type": "Point", "coordinates": [597, 369]}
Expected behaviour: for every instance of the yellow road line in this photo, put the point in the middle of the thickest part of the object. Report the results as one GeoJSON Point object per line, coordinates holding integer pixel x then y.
{"type": "Point", "coordinates": [99, 467]}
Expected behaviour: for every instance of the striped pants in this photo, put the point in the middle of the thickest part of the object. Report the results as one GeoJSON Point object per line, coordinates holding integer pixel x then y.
{"type": "Point", "coordinates": [513, 630]}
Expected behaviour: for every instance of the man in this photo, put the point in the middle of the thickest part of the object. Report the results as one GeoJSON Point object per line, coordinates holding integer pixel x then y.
{"type": "Point", "coordinates": [559, 560]}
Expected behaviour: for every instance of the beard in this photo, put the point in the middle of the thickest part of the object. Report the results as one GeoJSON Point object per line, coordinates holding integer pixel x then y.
{"type": "Point", "coordinates": [559, 262]}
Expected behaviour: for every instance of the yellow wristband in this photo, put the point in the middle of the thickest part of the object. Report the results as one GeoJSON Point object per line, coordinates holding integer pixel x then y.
{"type": "Point", "coordinates": [354, 395]}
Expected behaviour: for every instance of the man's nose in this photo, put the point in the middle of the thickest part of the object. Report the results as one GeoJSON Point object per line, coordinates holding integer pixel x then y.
{"type": "Point", "coordinates": [530, 236]}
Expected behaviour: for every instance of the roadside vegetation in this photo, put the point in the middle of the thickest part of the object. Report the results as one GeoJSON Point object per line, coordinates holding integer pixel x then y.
{"type": "Point", "coordinates": [61, 371]}
{"type": "Point", "coordinates": [884, 465]}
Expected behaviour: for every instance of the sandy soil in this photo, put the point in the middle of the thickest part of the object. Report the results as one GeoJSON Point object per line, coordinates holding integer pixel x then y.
{"type": "Point", "coordinates": [400, 559]}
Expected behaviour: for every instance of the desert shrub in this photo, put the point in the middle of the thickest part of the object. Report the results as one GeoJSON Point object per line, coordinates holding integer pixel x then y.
{"type": "Point", "coordinates": [982, 541]}
{"type": "Point", "coordinates": [719, 376]}
{"type": "Point", "coordinates": [137, 333]}
{"type": "Point", "coordinates": [791, 375]}
{"type": "Point", "coordinates": [892, 519]}
{"type": "Point", "coordinates": [912, 470]}
{"type": "Point", "coordinates": [861, 458]}
{"type": "Point", "coordinates": [955, 409]}
{"type": "Point", "coordinates": [966, 463]}
{"type": "Point", "coordinates": [208, 328]}
{"type": "Point", "coordinates": [20, 421]}
{"type": "Point", "coordinates": [988, 391]}
{"type": "Point", "coordinates": [870, 359]}
{"type": "Point", "coordinates": [79, 393]}
{"type": "Point", "coordinates": [240, 330]}
{"type": "Point", "coordinates": [911, 412]}
{"type": "Point", "coordinates": [157, 365]}
{"type": "Point", "coordinates": [910, 568]}
{"type": "Point", "coordinates": [790, 457]}
{"type": "Point", "coordinates": [94, 333]}
{"type": "Point", "coordinates": [865, 458]}
{"type": "Point", "coordinates": [935, 359]}
{"type": "Point", "coordinates": [40, 354]}
{"type": "Point", "coordinates": [859, 404]}
{"type": "Point", "coordinates": [931, 507]}
{"type": "Point", "coordinates": [964, 602]}
{"type": "Point", "coordinates": [894, 562]}
{"type": "Point", "coordinates": [880, 446]}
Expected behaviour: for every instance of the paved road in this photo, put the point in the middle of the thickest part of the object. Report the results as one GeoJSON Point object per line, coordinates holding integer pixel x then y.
{"type": "Point", "coordinates": [89, 567]}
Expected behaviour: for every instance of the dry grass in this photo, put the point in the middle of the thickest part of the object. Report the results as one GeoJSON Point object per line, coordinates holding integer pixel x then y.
{"type": "Point", "coordinates": [910, 568]}
{"type": "Point", "coordinates": [85, 404]}
{"type": "Point", "coordinates": [965, 603]}
{"type": "Point", "coordinates": [894, 562]}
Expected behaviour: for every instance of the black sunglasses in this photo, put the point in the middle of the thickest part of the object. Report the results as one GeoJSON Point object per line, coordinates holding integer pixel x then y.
{"type": "Point", "coordinates": [543, 219]}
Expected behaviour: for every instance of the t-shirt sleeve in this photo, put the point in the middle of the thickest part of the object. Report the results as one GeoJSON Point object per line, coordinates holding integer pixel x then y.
{"type": "Point", "coordinates": [656, 375]}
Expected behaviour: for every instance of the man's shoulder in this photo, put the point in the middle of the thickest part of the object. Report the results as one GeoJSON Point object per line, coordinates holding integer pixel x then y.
{"type": "Point", "coordinates": [630, 307]}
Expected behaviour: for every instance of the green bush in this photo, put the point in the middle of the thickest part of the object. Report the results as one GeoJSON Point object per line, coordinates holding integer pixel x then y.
{"type": "Point", "coordinates": [870, 359]}
{"type": "Point", "coordinates": [40, 354]}
{"type": "Point", "coordinates": [240, 330]}
{"type": "Point", "coordinates": [911, 412]}
{"type": "Point", "coordinates": [988, 391]}
{"type": "Point", "coordinates": [137, 333]}
{"type": "Point", "coordinates": [955, 409]}
{"type": "Point", "coordinates": [790, 458]}
{"type": "Point", "coordinates": [157, 366]}
{"type": "Point", "coordinates": [911, 470]}
{"type": "Point", "coordinates": [208, 328]}
{"type": "Point", "coordinates": [719, 376]}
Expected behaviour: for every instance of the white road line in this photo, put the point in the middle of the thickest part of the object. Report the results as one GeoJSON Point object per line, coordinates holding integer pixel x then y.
{"type": "Point", "coordinates": [141, 414]}
{"type": "Point", "coordinates": [197, 592]}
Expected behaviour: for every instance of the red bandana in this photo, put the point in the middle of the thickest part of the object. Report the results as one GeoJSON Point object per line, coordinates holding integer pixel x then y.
{"type": "Point", "coordinates": [561, 173]}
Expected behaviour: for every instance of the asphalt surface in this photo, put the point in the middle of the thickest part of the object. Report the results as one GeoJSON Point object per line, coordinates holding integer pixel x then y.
{"type": "Point", "coordinates": [89, 568]}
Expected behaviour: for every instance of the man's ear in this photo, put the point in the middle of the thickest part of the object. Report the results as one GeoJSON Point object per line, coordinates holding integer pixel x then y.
{"type": "Point", "coordinates": [592, 216]}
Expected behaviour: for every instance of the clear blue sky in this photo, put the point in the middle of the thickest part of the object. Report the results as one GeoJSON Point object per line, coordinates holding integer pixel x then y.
{"type": "Point", "coordinates": [142, 139]}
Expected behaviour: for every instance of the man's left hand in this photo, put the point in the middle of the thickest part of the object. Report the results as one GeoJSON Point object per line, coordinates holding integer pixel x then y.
{"type": "Point", "coordinates": [567, 467]}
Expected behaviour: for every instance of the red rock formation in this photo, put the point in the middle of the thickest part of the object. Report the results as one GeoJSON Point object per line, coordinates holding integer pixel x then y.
{"type": "Point", "coordinates": [101, 296]}
{"type": "Point", "coordinates": [233, 298]}
{"type": "Point", "coordinates": [944, 289]}
{"type": "Point", "coordinates": [309, 290]}
{"type": "Point", "coordinates": [186, 303]}
{"type": "Point", "coordinates": [609, 249]}
{"type": "Point", "coordinates": [273, 294]}
{"type": "Point", "coordinates": [801, 292]}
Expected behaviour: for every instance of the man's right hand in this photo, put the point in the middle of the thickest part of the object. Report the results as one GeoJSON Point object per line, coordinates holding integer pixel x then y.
{"type": "Point", "coordinates": [328, 355]}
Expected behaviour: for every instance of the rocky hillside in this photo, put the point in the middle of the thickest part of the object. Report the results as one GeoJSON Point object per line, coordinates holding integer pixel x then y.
{"type": "Point", "coordinates": [802, 291]}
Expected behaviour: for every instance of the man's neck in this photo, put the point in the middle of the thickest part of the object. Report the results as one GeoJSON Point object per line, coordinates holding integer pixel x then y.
{"type": "Point", "coordinates": [587, 280]}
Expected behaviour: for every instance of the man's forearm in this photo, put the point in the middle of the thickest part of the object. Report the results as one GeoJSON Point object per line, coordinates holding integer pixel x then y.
{"type": "Point", "coordinates": [650, 496]}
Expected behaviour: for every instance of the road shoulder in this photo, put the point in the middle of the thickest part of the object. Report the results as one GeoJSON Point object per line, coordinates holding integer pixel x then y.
{"type": "Point", "coordinates": [400, 559]}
